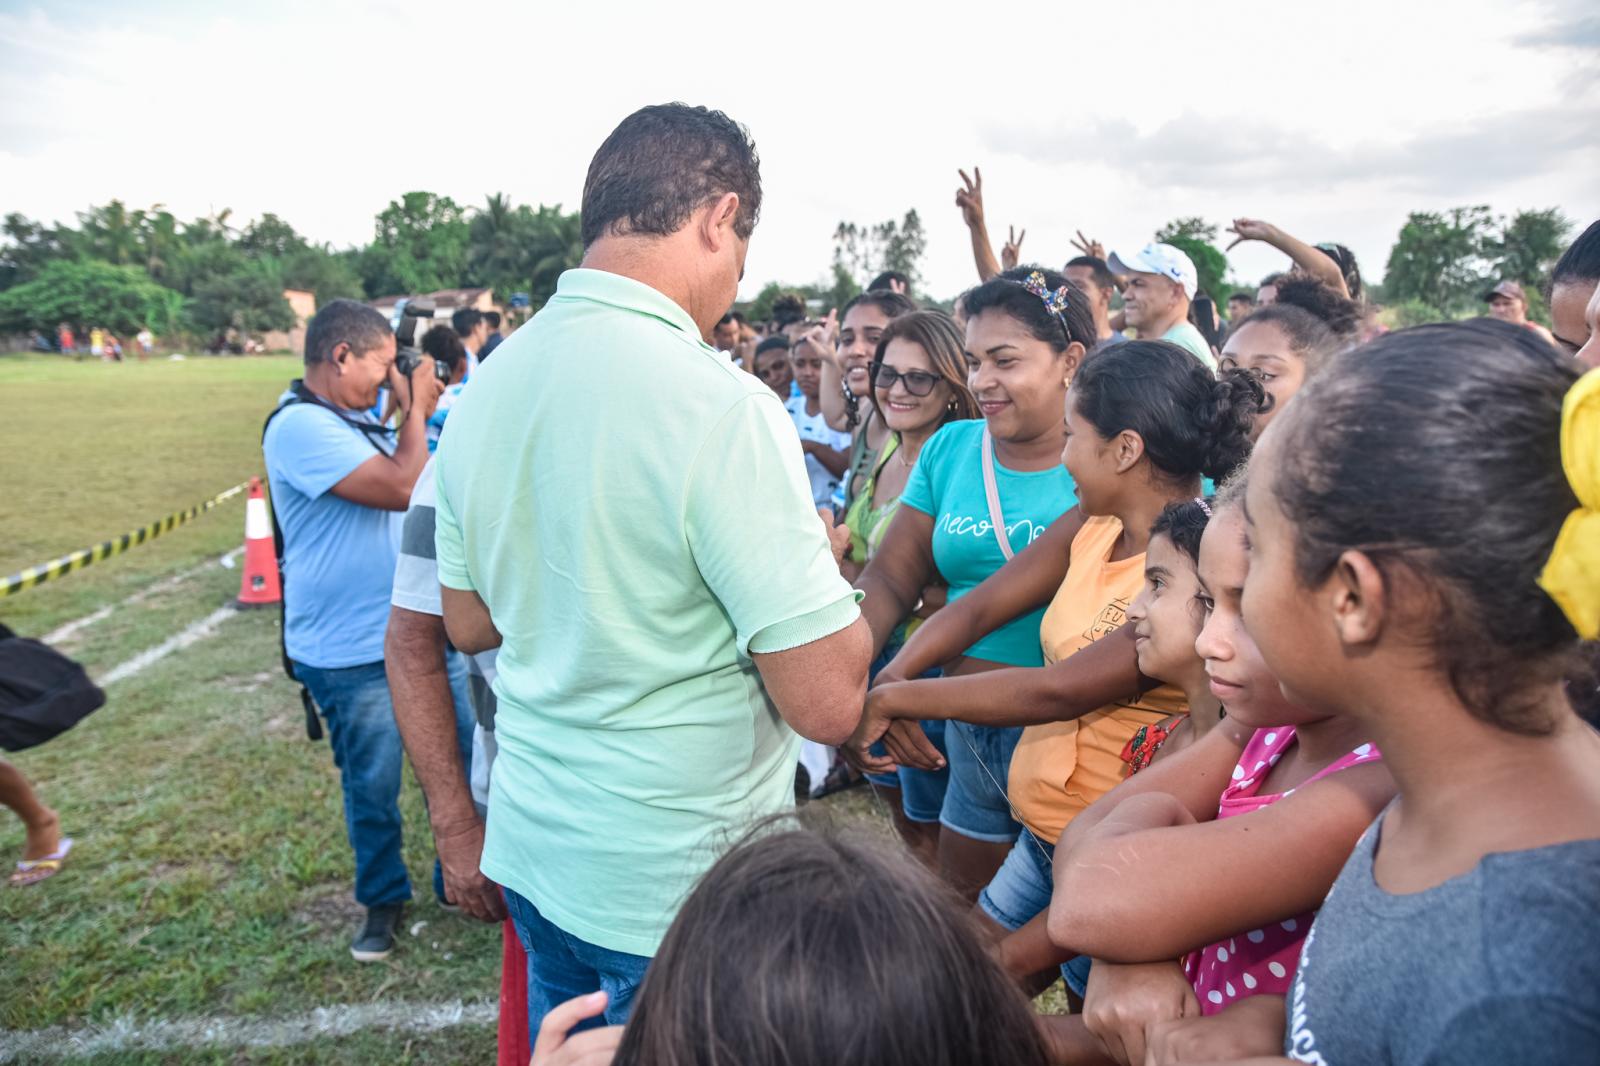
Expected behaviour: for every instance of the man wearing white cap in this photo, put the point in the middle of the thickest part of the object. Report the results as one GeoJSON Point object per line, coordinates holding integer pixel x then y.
{"type": "Point", "coordinates": [1160, 282]}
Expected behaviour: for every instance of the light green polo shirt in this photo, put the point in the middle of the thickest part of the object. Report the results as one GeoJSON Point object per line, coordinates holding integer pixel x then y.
{"type": "Point", "coordinates": [635, 512]}
{"type": "Point", "coordinates": [1186, 335]}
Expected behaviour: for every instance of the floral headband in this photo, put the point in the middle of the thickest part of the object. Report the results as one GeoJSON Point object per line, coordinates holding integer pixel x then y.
{"type": "Point", "coordinates": [1056, 301]}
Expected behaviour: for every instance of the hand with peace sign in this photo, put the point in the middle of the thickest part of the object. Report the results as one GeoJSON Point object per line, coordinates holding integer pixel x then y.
{"type": "Point", "coordinates": [824, 336]}
{"type": "Point", "coordinates": [1089, 246]}
{"type": "Point", "coordinates": [1011, 251]}
{"type": "Point", "coordinates": [970, 198]}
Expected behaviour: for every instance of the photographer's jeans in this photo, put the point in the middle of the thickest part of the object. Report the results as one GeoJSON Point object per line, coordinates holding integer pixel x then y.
{"type": "Point", "coordinates": [366, 747]}
{"type": "Point", "coordinates": [562, 967]}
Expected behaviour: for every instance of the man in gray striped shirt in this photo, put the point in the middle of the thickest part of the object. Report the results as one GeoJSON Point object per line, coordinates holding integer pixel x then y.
{"type": "Point", "coordinates": [436, 736]}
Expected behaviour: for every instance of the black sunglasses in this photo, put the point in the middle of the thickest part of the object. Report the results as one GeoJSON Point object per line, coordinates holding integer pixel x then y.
{"type": "Point", "coordinates": [917, 382]}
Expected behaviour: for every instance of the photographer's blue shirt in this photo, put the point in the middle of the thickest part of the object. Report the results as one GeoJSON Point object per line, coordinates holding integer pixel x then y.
{"type": "Point", "coordinates": [339, 557]}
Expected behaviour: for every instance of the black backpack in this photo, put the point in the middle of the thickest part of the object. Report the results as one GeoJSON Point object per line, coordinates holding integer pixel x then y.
{"type": "Point", "coordinates": [42, 692]}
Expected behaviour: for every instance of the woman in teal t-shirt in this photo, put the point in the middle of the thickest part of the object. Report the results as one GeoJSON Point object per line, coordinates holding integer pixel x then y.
{"type": "Point", "coordinates": [1026, 333]}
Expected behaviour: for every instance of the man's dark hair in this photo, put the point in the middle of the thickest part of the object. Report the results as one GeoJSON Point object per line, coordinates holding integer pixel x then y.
{"type": "Point", "coordinates": [888, 279]}
{"type": "Point", "coordinates": [493, 318]}
{"type": "Point", "coordinates": [773, 344]}
{"type": "Point", "coordinates": [344, 322]}
{"type": "Point", "coordinates": [1243, 296]}
{"type": "Point", "coordinates": [788, 309]}
{"type": "Point", "coordinates": [728, 320]}
{"type": "Point", "coordinates": [738, 316]}
{"type": "Point", "coordinates": [1103, 278]}
{"type": "Point", "coordinates": [1581, 260]}
{"type": "Point", "coordinates": [465, 320]}
{"type": "Point", "coordinates": [663, 163]}
{"type": "Point", "coordinates": [445, 346]}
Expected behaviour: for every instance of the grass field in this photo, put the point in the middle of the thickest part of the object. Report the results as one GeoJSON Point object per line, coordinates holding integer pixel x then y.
{"type": "Point", "coordinates": [211, 877]}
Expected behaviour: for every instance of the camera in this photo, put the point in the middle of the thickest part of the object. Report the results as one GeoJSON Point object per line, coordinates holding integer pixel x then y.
{"type": "Point", "coordinates": [407, 355]}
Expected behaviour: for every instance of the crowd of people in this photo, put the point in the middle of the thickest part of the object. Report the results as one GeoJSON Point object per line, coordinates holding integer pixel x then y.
{"type": "Point", "coordinates": [1225, 668]}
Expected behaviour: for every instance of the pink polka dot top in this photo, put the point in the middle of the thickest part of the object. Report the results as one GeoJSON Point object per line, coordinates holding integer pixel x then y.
{"type": "Point", "coordinates": [1260, 960]}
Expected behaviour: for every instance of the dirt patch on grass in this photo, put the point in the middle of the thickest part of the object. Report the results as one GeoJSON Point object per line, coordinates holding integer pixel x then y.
{"type": "Point", "coordinates": [249, 682]}
{"type": "Point", "coordinates": [327, 910]}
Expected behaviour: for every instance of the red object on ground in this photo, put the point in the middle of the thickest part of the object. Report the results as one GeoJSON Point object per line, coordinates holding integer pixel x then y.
{"type": "Point", "coordinates": [515, 1043]}
{"type": "Point", "coordinates": [260, 584]}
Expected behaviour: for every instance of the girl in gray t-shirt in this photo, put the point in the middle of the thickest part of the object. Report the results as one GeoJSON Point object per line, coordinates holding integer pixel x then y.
{"type": "Point", "coordinates": [1406, 570]}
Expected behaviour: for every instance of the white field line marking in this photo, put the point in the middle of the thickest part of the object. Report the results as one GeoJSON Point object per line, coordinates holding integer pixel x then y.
{"type": "Point", "coordinates": [196, 632]}
{"type": "Point", "coordinates": [126, 1034]}
{"type": "Point", "coordinates": [68, 630]}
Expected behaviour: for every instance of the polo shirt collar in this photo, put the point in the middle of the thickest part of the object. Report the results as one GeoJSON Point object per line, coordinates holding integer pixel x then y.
{"type": "Point", "coordinates": [602, 286]}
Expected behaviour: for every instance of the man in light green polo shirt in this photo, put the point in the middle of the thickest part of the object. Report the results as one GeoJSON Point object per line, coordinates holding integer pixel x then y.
{"type": "Point", "coordinates": [626, 515]}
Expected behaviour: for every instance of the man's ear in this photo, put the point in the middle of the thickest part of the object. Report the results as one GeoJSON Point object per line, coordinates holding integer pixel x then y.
{"type": "Point", "coordinates": [1358, 596]}
{"type": "Point", "coordinates": [720, 220]}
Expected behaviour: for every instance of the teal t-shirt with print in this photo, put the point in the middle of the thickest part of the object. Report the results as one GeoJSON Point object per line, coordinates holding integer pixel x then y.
{"type": "Point", "coordinates": [947, 484]}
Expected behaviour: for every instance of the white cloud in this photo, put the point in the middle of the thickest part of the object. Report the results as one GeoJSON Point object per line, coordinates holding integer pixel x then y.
{"type": "Point", "coordinates": [1332, 122]}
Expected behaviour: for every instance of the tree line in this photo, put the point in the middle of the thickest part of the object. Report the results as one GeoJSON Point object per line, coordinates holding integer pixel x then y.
{"type": "Point", "coordinates": [126, 269]}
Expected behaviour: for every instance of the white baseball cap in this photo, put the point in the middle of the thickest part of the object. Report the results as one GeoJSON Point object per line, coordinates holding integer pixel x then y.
{"type": "Point", "coordinates": [1161, 259]}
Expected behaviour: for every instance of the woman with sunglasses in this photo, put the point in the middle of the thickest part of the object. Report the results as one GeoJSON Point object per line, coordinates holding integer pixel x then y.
{"type": "Point", "coordinates": [919, 384]}
{"type": "Point", "coordinates": [1027, 331]}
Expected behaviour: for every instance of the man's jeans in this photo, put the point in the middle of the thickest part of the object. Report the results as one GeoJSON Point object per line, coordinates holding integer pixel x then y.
{"type": "Point", "coordinates": [561, 967]}
{"type": "Point", "coordinates": [366, 748]}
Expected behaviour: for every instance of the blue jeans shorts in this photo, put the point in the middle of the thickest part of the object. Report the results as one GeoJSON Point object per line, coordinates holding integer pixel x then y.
{"type": "Point", "coordinates": [1021, 890]}
{"type": "Point", "coordinates": [562, 966]}
{"type": "Point", "coordinates": [921, 791]}
{"type": "Point", "coordinates": [975, 802]}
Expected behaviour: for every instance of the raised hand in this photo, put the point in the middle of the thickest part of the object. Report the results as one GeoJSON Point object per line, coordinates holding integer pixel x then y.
{"type": "Point", "coordinates": [1011, 251]}
{"type": "Point", "coordinates": [824, 336]}
{"type": "Point", "coordinates": [1249, 229]}
{"type": "Point", "coordinates": [1089, 246]}
{"type": "Point", "coordinates": [970, 197]}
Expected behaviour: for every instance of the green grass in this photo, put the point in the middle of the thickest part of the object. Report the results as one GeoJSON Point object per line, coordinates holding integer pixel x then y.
{"type": "Point", "coordinates": [94, 449]}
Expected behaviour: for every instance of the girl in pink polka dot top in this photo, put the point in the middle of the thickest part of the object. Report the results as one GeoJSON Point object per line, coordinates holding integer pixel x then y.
{"type": "Point", "coordinates": [1215, 858]}
{"type": "Point", "coordinates": [1261, 960]}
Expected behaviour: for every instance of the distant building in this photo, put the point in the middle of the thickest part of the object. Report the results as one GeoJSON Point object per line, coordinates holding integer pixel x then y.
{"type": "Point", "coordinates": [446, 302]}
{"type": "Point", "coordinates": [304, 305]}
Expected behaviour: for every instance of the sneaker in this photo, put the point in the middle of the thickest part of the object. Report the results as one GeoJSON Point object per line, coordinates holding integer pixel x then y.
{"type": "Point", "coordinates": [377, 936]}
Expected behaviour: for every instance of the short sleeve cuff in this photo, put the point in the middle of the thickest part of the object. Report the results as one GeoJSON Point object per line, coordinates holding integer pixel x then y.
{"type": "Point", "coordinates": [451, 578]}
{"type": "Point", "coordinates": [794, 632]}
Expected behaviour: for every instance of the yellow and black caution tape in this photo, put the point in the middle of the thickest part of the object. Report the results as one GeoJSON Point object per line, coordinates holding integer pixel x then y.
{"type": "Point", "coordinates": [37, 575]}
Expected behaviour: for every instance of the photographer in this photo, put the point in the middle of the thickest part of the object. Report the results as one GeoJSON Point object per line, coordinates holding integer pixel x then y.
{"type": "Point", "coordinates": [449, 357]}
{"type": "Point", "coordinates": [340, 481]}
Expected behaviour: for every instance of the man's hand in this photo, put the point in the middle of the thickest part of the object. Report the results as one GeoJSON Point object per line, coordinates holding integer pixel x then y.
{"type": "Point", "coordinates": [970, 198]}
{"type": "Point", "coordinates": [1011, 251]}
{"type": "Point", "coordinates": [1089, 246]}
{"type": "Point", "coordinates": [838, 536]}
{"type": "Point", "coordinates": [556, 1046]}
{"type": "Point", "coordinates": [1250, 229]}
{"type": "Point", "coordinates": [460, 849]}
{"type": "Point", "coordinates": [1122, 1002]}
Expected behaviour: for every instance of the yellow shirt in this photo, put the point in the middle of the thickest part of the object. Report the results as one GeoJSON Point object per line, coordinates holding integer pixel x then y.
{"type": "Point", "coordinates": [1058, 769]}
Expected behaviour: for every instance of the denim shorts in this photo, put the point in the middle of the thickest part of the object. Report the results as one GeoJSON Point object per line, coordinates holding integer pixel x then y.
{"type": "Point", "coordinates": [975, 802]}
{"type": "Point", "coordinates": [1021, 890]}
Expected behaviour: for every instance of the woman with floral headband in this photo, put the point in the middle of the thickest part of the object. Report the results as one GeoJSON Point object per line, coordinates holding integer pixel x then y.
{"type": "Point", "coordinates": [981, 491]}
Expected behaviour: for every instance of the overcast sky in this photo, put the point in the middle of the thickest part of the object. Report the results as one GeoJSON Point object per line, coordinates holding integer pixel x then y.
{"type": "Point", "coordinates": [1333, 119]}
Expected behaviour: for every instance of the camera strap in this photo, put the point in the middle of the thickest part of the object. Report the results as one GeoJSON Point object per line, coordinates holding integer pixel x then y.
{"type": "Point", "coordinates": [374, 434]}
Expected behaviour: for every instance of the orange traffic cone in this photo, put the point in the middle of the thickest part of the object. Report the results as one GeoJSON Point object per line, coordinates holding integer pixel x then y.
{"type": "Point", "coordinates": [260, 584]}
